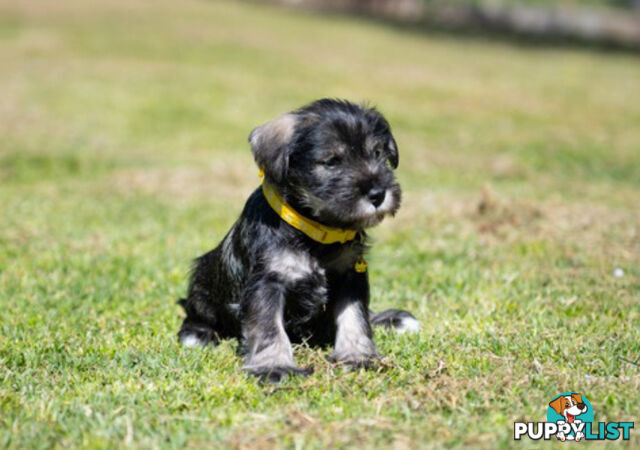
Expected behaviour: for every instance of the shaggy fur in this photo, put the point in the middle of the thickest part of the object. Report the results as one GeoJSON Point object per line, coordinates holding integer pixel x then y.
{"type": "Point", "coordinates": [268, 284]}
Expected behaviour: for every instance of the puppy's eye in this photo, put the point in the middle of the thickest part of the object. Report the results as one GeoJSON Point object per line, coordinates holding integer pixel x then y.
{"type": "Point", "coordinates": [333, 161]}
{"type": "Point", "coordinates": [377, 153]}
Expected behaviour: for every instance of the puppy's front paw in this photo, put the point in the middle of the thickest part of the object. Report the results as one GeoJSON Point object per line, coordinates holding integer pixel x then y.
{"type": "Point", "coordinates": [355, 361]}
{"type": "Point", "coordinates": [277, 374]}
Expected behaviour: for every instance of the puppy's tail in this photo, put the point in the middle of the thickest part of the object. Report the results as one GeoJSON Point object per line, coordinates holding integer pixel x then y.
{"type": "Point", "coordinates": [396, 319]}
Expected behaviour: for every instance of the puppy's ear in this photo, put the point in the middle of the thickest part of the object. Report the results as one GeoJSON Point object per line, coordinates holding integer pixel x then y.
{"type": "Point", "coordinates": [270, 145]}
{"type": "Point", "coordinates": [392, 151]}
{"type": "Point", "coordinates": [577, 398]}
{"type": "Point", "coordinates": [558, 404]}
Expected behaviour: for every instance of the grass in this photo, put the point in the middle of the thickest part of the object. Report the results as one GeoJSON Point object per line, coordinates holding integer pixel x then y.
{"type": "Point", "coordinates": [124, 155]}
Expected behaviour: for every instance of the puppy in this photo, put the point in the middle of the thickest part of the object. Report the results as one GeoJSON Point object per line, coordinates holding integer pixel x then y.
{"type": "Point", "coordinates": [291, 268]}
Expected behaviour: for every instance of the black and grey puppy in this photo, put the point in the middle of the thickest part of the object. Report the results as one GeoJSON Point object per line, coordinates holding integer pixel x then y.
{"type": "Point", "coordinates": [269, 284]}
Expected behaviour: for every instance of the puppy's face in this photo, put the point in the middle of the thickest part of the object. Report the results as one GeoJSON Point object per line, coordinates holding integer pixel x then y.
{"type": "Point", "coordinates": [335, 159]}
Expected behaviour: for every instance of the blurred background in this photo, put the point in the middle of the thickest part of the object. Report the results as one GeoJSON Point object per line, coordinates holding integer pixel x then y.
{"type": "Point", "coordinates": [604, 22]}
{"type": "Point", "coordinates": [124, 154]}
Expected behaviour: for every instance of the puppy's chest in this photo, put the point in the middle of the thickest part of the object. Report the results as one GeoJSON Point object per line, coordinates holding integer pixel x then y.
{"type": "Point", "coordinates": [311, 277]}
{"type": "Point", "coordinates": [340, 259]}
{"type": "Point", "coordinates": [297, 266]}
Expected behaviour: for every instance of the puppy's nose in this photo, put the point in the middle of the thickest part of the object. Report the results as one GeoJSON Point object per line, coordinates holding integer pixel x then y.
{"type": "Point", "coordinates": [376, 196]}
{"type": "Point", "coordinates": [581, 406]}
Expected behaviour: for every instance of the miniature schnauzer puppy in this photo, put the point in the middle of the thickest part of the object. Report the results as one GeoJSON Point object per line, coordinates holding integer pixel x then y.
{"type": "Point", "coordinates": [274, 279]}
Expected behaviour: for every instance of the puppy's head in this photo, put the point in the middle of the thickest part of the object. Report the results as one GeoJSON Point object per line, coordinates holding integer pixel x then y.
{"type": "Point", "coordinates": [332, 159]}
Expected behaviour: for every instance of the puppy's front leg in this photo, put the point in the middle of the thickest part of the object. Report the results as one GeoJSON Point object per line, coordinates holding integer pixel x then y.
{"type": "Point", "coordinates": [270, 355]}
{"type": "Point", "coordinates": [354, 339]}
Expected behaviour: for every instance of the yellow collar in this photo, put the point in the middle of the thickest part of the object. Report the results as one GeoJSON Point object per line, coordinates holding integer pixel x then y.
{"type": "Point", "coordinates": [316, 231]}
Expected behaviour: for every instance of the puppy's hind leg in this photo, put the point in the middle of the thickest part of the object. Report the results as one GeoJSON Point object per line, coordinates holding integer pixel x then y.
{"type": "Point", "coordinates": [395, 319]}
{"type": "Point", "coordinates": [203, 305]}
{"type": "Point", "coordinates": [195, 330]}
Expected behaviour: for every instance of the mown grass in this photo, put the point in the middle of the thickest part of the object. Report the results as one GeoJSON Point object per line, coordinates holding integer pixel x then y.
{"type": "Point", "coordinates": [124, 155]}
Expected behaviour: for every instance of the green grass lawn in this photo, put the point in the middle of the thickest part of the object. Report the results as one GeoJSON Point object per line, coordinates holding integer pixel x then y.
{"type": "Point", "coordinates": [123, 155]}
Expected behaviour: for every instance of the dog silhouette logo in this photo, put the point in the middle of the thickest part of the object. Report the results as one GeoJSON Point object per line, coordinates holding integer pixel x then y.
{"type": "Point", "coordinates": [573, 409]}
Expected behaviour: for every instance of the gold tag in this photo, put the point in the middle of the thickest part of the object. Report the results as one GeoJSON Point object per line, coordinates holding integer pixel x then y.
{"type": "Point", "coordinates": [360, 265]}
